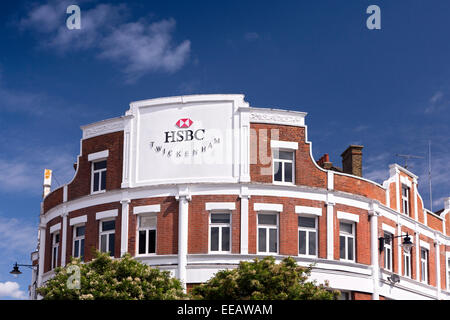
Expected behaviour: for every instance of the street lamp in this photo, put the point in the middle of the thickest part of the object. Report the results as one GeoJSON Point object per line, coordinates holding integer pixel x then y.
{"type": "Point", "coordinates": [407, 244]}
{"type": "Point", "coordinates": [15, 271]}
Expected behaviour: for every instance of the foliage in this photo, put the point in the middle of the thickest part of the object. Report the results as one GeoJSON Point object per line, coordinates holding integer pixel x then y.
{"type": "Point", "coordinates": [264, 280]}
{"type": "Point", "coordinates": [112, 279]}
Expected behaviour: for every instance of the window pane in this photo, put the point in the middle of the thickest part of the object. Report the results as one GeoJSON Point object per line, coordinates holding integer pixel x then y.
{"type": "Point", "coordinates": [225, 239]}
{"type": "Point", "coordinates": [76, 248]}
{"type": "Point", "coordinates": [100, 165]}
{"type": "Point", "coordinates": [273, 239]}
{"type": "Point", "coordinates": [142, 242]}
{"type": "Point", "coordinates": [57, 238]}
{"type": "Point", "coordinates": [350, 248]}
{"type": "Point", "coordinates": [82, 249]}
{"type": "Point", "coordinates": [288, 172]}
{"type": "Point", "coordinates": [111, 244]}
{"type": "Point", "coordinates": [302, 242]}
{"type": "Point", "coordinates": [147, 221]}
{"type": "Point", "coordinates": [108, 225]}
{"type": "Point", "coordinates": [80, 231]}
{"type": "Point", "coordinates": [220, 218]}
{"type": "Point", "coordinates": [342, 247]}
{"type": "Point", "coordinates": [262, 240]}
{"type": "Point", "coordinates": [151, 241]}
{"type": "Point", "coordinates": [346, 228]}
{"type": "Point", "coordinates": [312, 243]}
{"type": "Point", "coordinates": [214, 238]}
{"type": "Point", "coordinates": [307, 222]}
{"type": "Point", "coordinates": [277, 173]}
{"type": "Point", "coordinates": [103, 185]}
{"type": "Point", "coordinates": [96, 181]}
{"type": "Point", "coordinates": [285, 155]}
{"type": "Point", "coordinates": [387, 238]}
{"type": "Point", "coordinates": [267, 219]}
{"type": "Point", "coordinates": [103, 243]}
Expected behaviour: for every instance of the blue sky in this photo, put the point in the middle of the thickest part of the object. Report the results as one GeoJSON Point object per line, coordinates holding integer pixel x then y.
{"type": "Point", "coordinates": [387, 89]}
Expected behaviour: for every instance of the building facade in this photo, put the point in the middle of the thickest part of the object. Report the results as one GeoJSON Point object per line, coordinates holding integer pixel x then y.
{"type": "Point", "coordinates": [195, 184]}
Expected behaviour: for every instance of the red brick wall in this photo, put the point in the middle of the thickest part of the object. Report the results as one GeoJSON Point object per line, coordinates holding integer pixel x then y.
{"type": "Point", "coordinates": [358, 186]}
{"type": "Point", "coordinates": [434, 222]}
{"type": "Point", "coordinates": [81, 185]}
{"type": "Point", "coordinates": [91, 238]}
{"type": "Point", "coordinates": [362, 249]}
{"type": "Point", "coordinates": [167, 225]}
{"type": "Point", "coordinates": [199, 223]}
{"type": "Point", "coordinates": [306, 172]}
{"type": "Point", "coordinates": [288, 224]}
{"type": "Point", "coordinates": [53, 199]}
{"type": "Point", "coordinates": [393, 196]}
{"type": "Point", "coordinates": [49, 242]}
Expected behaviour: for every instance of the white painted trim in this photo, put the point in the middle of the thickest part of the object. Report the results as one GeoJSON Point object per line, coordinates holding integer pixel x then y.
{"type": "Point", "coordinates": [284, 144]}
{"type": "Point", "coordinates": [55, 227]}
{"type": "Point", "coordinates": [268, 207]}
{"type": "Point", "coordinates": [106, 214]}
{"type": "Point", "coordinates": [388, 228]}
{"type": "Point", "coordinates": [78, 220]}
{"type": "Point", "coordinates": [147, 209]}
{"type": "Point", "coordinates": [404, 180]}
{"type": "Point", "coordinates": [424, 244]}
{"type": "Point", "coordinates": [98, 155]}
{"type": "Point", "coordinates": [308, 210]}
{"type": "Point", "coordinates": [348, 216]}
{"type": "Point", "coordinates": [220, 206]}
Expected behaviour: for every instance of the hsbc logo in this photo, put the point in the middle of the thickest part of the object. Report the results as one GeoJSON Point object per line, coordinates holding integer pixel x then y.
{"type": "Point", "coordinates": [184, 123]}
{"type": "Point", "coordinates": [184, 135]}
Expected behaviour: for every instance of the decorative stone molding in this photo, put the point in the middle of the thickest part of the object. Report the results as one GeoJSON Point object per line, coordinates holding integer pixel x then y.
{"type": "Point", "coordinates": [278, 117]}
{"type": "Point", "coordinates": [102, 127]}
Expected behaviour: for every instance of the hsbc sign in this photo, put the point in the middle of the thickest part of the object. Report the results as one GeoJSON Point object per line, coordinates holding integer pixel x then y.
{"type": "Point", "coordinates": [184, 135]}
{"type": "Point", "coordinates": [184, 142]}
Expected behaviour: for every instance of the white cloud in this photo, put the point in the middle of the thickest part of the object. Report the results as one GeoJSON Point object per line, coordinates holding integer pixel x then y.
{"type": "Point", "coordinates": [17, 236]}
{"type": "Point", "coordinates": [10, 289]}
{"type": "Point", "coordinates": [437, 103]}
{"type": "Point", "coordinates": [143, 47]}
{"type": "Point", "coordinates": [139, 47]}
{"type": "Point", "coordinates": [22, 173]}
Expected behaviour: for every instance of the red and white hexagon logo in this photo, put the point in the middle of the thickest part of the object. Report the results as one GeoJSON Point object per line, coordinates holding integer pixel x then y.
{"type": "Point", "coordinates": [184, 123]}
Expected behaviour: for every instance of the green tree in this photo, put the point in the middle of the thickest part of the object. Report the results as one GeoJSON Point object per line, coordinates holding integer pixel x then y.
{"type": "Point", "coordinates": [264, 280]}
{"type": "Point", "coordinates": [111, 279]}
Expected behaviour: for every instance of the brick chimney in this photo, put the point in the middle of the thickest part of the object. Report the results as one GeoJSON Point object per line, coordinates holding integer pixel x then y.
{"type": "Point", "coordinates": [324, 162]}
{"type": "Point", "coordinates": [352, 160]}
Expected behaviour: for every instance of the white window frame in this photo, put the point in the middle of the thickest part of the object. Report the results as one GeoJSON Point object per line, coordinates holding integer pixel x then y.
{"type": "Point", "coordinates": [267, 227]}
{"type": "Point", "coordinates": [406, 208]}
{"type": "Point", "coordinates": [107, 233]}
{"type": "Point", "coordinates": [405, 256]}
{"type": "Point", "coordinates": [424, 265]}
{"type": "Point", "coordinates": [100, 190]}
{"type": "Point", "coordinates": [282, 163]}
{"type": "Point", "coordinates": [220, 226]}
{"type": "Point", "coordinates": [308, 231]}
{"type": "Point", "coordinates": [353, 236]}
{"type": "Point", "coordinates": [55, 249]}
{"type": "Point", "coordinates": [79, 238]}
{"type": "Point", "coordinates": [388, 253]}
{"type": "Point", "coordinates": [146, 229]}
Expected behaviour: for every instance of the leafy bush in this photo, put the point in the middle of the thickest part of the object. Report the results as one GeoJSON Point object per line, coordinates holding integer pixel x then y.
{"type": "Point", "coordinates": [264, 280]}
{"type": "Point", "coordinates": [112, 279]}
